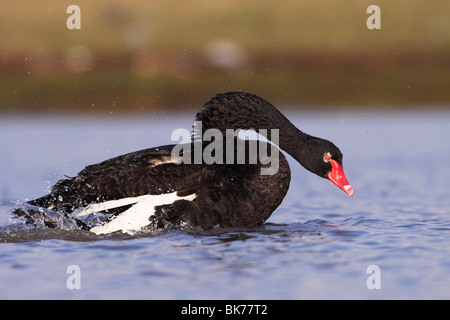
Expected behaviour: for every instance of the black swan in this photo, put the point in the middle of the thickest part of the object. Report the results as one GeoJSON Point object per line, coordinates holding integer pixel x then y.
{"type": "Point", "coordinates": [153, 188]}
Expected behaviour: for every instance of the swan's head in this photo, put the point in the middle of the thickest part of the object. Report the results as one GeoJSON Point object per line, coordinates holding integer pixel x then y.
{"type": "Point", "coordinates": [323, 158]}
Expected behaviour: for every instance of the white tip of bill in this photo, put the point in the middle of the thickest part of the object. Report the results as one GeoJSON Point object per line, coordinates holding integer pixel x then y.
{"type": "Point", "coordinates": [348, 189]}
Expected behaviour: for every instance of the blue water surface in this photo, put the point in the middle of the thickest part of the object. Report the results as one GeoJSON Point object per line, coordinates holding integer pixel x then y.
{"type": "Point", "coordinates": [319, 244]}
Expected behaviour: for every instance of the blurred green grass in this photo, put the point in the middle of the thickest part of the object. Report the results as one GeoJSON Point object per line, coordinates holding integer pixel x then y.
{"type": "Point", "coordinates": [146, 55]}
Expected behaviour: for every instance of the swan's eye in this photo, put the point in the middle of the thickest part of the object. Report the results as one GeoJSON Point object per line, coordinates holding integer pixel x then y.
{"type": "Point", "coordinates": [326, 157]}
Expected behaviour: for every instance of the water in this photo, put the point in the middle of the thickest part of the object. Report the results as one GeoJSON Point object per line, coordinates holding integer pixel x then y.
{"type": "Point", "coordinates": [318, 244]}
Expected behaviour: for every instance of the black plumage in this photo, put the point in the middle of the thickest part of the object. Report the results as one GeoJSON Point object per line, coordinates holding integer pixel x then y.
{"type": "Point", "coordinates": [228, 195]}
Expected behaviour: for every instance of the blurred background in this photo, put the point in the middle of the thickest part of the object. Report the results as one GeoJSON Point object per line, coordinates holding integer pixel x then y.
{"type": "Point", "coordinates": [137, 70]}
{"type": "Point", "coordinates": [139, 56]}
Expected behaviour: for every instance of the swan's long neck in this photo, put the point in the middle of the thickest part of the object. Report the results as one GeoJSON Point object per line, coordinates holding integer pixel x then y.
{"type": "Point", "coordinates": [239, 110]}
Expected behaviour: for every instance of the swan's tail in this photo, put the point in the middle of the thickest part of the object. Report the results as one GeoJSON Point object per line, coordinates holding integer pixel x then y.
{"type": "Point", "coordinates": [40, 216]}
